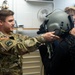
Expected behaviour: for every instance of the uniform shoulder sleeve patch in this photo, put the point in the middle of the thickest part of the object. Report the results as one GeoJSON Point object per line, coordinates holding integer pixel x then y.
{"type": "Point", "coordinates": [9, 43]}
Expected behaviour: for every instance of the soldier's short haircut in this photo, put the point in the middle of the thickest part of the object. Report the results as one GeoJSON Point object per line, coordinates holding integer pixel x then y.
{"type": "Point", "coordinates": [5, 13]}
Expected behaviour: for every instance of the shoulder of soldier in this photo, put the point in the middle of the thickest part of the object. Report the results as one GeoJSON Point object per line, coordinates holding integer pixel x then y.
{"type": "Point", "coordinates": [3, 36]}
{"type": "Point", "coordinates": [19, 36]}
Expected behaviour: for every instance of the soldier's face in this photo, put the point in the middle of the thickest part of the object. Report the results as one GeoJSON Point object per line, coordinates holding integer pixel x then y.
{"type": "Point", "coordinates": [8, 24]}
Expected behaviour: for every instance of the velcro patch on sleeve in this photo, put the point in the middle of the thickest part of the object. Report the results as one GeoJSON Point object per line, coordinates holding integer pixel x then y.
{"type": "Point", "coordinates": [8, 44]}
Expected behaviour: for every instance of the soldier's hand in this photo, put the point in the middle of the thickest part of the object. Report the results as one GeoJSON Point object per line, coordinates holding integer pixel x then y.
{"type": "Point", "coordinates": [49, 36]}
{"type": "Point", "coordinates": [72, 31]}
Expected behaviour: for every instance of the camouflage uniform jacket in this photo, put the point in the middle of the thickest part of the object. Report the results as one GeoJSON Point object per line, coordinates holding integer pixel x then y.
{"type": "Point", "coordinates": [13, 48]}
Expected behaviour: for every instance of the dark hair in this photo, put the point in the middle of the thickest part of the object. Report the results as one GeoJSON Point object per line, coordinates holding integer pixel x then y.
{"type": "Point", "coordinates": [5, 13]}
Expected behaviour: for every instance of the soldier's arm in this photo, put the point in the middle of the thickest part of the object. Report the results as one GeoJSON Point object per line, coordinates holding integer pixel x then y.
{"type": "Point", "coordinates": [24, 44]}
{"type": "Point", "coordinates": [29, 44]}
{"type": "Point", "coordinates": [21, 45]}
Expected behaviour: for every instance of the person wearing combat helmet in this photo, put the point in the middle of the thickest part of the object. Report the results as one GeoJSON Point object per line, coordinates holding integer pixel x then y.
{"type": "Point", "coordinates": [59, 59]}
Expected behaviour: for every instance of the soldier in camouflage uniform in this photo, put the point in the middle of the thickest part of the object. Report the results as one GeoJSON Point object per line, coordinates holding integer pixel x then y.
{"type": "Point", "coordinates": [13, 46]}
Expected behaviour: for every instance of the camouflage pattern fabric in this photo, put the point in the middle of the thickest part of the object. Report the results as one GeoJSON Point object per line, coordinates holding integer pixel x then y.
{"type": "Point", "coordinates": [12, 48]}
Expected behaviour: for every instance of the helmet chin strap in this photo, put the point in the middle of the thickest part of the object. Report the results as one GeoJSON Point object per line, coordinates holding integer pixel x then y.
{"type": "Point", "coordinates": [71, 21]}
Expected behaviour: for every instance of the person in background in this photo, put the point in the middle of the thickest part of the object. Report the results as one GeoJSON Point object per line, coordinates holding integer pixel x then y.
{"type": "Point", "coordinates": [62, 60]}
{"type": "Point", "coordinates": [71, 11]}
{"type": "Point", "coordinates": [13, 46]}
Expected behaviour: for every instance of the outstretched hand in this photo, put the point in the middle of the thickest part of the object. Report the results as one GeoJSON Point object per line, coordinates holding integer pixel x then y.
{"type": "Point", "coordinates": [50, 36]}
{"type": "Point", "coordinates": [72, 31]}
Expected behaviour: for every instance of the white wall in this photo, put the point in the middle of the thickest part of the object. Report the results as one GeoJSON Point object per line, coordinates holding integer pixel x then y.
{"type": "Point", "coordinates": [61, 4]}
{"type": "Point", "coordinates": [26, 12]}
